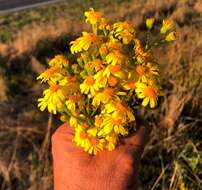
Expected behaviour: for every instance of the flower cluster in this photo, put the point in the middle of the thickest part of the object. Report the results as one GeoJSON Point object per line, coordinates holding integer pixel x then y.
{"type": "Point", "coordinates": [113, 68]}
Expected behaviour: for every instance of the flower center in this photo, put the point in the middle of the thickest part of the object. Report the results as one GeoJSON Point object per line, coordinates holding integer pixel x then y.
{"type": "Point", "coordinates": [85, 126]}
{"type": "Point", "coordinates": [150, 91]}
{"type": "Point", "coordinates": [114, 68]}
{"type": "Point", "coordinates": [103, 50]}
{"type": "Point", "coordinates": [120, 107]}
{"type": "Point", "coordinates": [140, 70]}
{"type": "Point", "coordinates": [90, 80]}
{"type": "Point", "coordinates": [54, 87]}
{"type": "Point", "coordinates": [83, 134]}
{"type": "Point", "coordinates": [112, 81]}
{"type": "Point", "coordinates": [98, 120]}
{"type": "Point", "coordinates": [117, 122]}
{"type": "Point", "coordinates": [91, 38]}
{"type": "Point", "coordinates": [94, 141]}
{"type": "Point", "coordinates": [109, 92]}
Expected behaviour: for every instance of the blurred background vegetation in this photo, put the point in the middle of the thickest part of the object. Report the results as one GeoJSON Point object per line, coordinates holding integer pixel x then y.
{"type": "Point", "coordinates": [172, 159]}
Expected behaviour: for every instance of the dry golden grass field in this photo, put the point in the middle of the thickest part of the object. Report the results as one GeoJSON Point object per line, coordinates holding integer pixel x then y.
{"type": "Point", "coordinates": [172, 159]}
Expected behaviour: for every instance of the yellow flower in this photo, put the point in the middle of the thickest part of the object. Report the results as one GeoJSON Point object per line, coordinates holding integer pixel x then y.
{"type": "Point", "coordinates": [112, 140]}
{"type": "Point", "coordinates": [103, 50]}
{"type": "Point", "coordinates": [112, 69]}
{"type": "Point", "coordinates": [96, 145]}
{"type": "Point", "coordinates": [112, 81]}
{"type": "Point", "coordinates": [149, 23]}
{"type": "Point", "coordinates": [130, 85]}
{"type": "Point", "coordinates": [149, 93]}
{"type": "Point", "coordinates": [103, 97]}
{"type": "Point", "coordinates": [171, 36]}
{"type": "Point", "coordinates": [53, 99]}
{"type": "Point", "coordinates": [69, 85]}
{"type": "Point", "coordinates": [96, 64]}
{"type": "Point", "coordinates": [103, 25]}
{"type": "Point", "coordinates": [140, 54]}
{"type": "Point", "coordinates": [93, 17]}
{"type": "Point", "coordinates": [73, 101]}
{"type": "Point", "coordinates": [81, 138]}
{"type": "Point", "coordinates": [112, 124]}
{"type": "Point", "coordinates": [89, 85]}
{"type": "Point", "coordinates": [166, 26]}
{"type": "Point", "coordinates": [98, 120]}
{"type": "Point", "coordinates": [119, 110]}
{"type": "Point", "coordinates": [83, 43]}
{"type": "Point", "coordinates": [56, 71]}
{"type": "Point", "coordinates": [85, 139]}
{"type": "Point", "coordinates": [50, 73]}
{"type": "Point", "coordinates": [59, 61]}
{"type": "Point", "coordinates": [95, 93]}
{"type": "Point", "coordinates": [100, 78]}
{"type": "Point", "coordinates": [73, 121]}
{"type": "Point", "coordinates": [114, 57]}
{"type": "Point", "coordinates": [123, 31]}
{"type": "Point", "coordinates": [146, 71]}
{"type": "Point", "coordinates": [114, 45]}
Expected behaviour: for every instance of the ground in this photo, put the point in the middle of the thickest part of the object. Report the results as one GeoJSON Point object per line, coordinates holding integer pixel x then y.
{"type": "Point", "coordinates": [172, 158]}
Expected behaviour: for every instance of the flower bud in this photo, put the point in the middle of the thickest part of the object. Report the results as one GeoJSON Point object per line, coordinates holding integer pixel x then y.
{"type": "Point", "coordinates": [167, 25]}
{"type": "Point", "coordinates": [171, 37]}
{"type": "Point", "coordinates": [149, 23]}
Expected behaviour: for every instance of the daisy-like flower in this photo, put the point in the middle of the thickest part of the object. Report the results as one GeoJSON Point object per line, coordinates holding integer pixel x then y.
{"type": "Point", "coordinates": [96, 145]}
{"type": "Point", "coordinates": [114, 124]}
{"type": "Point", "coordinates": [112, 140]}
{"type": "Point", "coordinates": [118, 109]}
{"type": "Point", "coordinates": [59, 61]}
{"type": "Point", "coordinates": [113, 71]}
{"type": "Point", "coordinates": [69, 85]}
{"type": "Point", "coordinates": [81, 138]}
{"type": "Point", "coordinates": [166, 26]}
{"type": "Point", "coordinates": [83, 43]}
{"type": "Point", "coordinates": [146, 71]}
{"type": "Point", "coordinates": [103, 97]}
{"type": "Point", "coordinates": [123, 31]}
{"type": "Point", "coordinates": [52, 72]}
{"type": "Point", "coordinates": [53, 99]}
{"type": "Point", "coordinates": [103, 50]}
{"type": "Point", "coordinates": [114, 45]}
{"type": "Point", "coordinates": [92, 16]}
{"type": "Point", "coordinates": [148, 92]}
{"type": "Point", "coordinates": [96, 64]}
{"type": "Point", "coordinates": [73, 101]}
{"type": "Point", "coordinates": [85, 139]}
{"type": "Point", "coordinates": [89, 85]}
{"type": "Point", "coordinates": [115, 57]}
{"type": "Point", "coordinates": [101, 79]}
{"type": "Point", "coordinates": [56, 71]}
{"type": "Point", "coordinates": [98, 120]}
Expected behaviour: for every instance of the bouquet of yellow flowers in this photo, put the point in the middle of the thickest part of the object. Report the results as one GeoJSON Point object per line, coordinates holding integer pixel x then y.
{"type": "Point", "coordinates": [112, 72]}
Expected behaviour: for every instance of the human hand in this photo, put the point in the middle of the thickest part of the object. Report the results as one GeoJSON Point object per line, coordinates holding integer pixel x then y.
{"type": "Point", "coordinates": [75, 169]}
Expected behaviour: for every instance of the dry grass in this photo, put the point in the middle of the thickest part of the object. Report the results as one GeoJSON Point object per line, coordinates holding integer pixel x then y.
{"type": "Point", "coordinates": [172, 159]}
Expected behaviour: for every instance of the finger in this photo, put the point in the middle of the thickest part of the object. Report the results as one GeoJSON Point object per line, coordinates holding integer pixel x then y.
{"type": "Point", "coordinates": [64, 132]}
